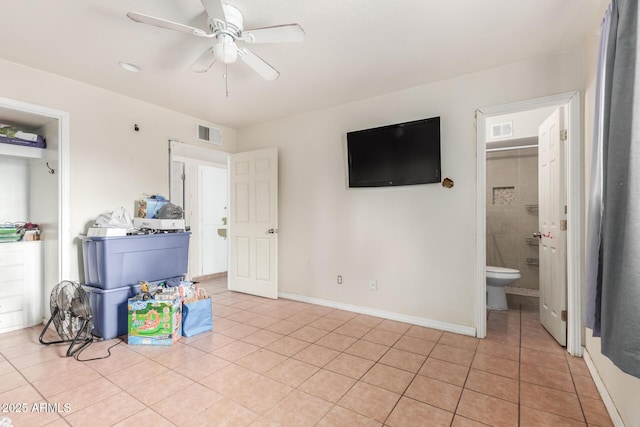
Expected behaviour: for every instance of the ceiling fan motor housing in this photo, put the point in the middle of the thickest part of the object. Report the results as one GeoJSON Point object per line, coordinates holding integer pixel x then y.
{"type": "Point", "coordinates": [234, 22]}
{"type": "Point", "coordinates": [226, 33]}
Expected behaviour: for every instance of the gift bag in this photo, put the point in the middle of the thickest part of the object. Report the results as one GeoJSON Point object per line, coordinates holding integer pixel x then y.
{"type": "Point", "coordinates": [196, 315]}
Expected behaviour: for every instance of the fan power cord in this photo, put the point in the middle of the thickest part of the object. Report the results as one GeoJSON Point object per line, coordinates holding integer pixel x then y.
{"type": "Point", "coordinates": [95, 339]}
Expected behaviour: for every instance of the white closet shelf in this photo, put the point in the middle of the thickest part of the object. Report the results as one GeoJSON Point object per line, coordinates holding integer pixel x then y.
{"type": "Point", "coordinates": [21, 151]}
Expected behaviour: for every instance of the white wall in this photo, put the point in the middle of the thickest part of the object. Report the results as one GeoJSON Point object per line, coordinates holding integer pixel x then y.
{"type": "Point", "coordinates": [525, 124]}
{"type": "Point", "coordinates": [14, 189]}
{"type": "Point", "coordinates": [418, 242]}
{"type": "Point", "coordinates": [623, 388]}
{"type": "Point", "coordinates": [111, 164]}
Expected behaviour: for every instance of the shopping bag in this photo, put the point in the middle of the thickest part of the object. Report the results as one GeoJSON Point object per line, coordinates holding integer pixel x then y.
{"type": "Point", "coordinates": [197, 316]}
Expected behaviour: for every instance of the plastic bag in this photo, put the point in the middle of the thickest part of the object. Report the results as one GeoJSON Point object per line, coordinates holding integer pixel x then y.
{"type": "Point", "coordinates": [119, 218]}
{"type": "Point", "coordinates": [170, 211]}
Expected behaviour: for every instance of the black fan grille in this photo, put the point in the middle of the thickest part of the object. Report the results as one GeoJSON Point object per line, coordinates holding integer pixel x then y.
{"type": "Point", "coordinates": [70, 307]}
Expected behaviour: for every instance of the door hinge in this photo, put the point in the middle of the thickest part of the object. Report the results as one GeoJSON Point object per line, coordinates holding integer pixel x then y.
{"type": "Point", "coordinates": [183, 177]}
{"type": "Point", "coordinates": [563, 225]}
{"type": "Point", "coordinates": [563, 315]}
{"type": "Point", "coordinates": [563, 135]}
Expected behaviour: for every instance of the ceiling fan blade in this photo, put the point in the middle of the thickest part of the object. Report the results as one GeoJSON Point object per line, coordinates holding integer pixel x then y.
{"type": "Point", "coordinates": [214, 9]}
{"type": "Point", "coordinates": [163, 23]}
{"type": "Point", "coordinates": [204, 62]}
{"type": "Point", "coordinates": [278, 34]}
{"type": "Point", "coordinates": [258, 64]}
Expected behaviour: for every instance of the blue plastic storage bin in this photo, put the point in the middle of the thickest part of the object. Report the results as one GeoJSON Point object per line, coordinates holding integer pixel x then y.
{"type": "Point", "coordinates": [109, 309]}
{"type": "Point", "coordinates": [113, 262]}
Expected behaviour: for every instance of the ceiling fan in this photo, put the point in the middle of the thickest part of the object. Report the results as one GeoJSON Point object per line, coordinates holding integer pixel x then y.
{"type": "Point", "coordinates": [226, 27]}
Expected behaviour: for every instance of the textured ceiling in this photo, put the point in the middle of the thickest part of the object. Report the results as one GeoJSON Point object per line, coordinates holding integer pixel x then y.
{"type": "Point", "coordinates": [354, 49]}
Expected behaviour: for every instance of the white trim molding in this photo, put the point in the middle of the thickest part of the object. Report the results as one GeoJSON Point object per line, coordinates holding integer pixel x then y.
{"type": "Point", "coordinates": [481, 226]}
{"type": "Point", "coordinates": [616, 419]}
{"type": "Point", "coordinates": [414, 320]}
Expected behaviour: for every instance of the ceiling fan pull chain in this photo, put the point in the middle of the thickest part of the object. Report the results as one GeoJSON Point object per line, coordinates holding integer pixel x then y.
{"type": "Point", "coordinates": [226, 80]}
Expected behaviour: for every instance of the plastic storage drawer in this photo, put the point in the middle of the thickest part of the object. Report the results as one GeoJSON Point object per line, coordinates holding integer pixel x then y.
{"type": "Point", "coordinates": [116, 261]}
{"type": "Point", "coordinates": [109, 309]}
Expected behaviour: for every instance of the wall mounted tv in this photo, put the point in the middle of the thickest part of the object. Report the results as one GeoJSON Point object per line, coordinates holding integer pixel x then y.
{"type": "Point", "coordinates": [399, 154]}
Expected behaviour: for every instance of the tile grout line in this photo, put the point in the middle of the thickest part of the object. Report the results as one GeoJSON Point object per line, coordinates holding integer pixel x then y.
{"type": "Point", "coordinates": [415, 375]}
{"type": "Point", "coordinates": [466, 378]}
{"type": "Point", "coordinates": [584, 414]}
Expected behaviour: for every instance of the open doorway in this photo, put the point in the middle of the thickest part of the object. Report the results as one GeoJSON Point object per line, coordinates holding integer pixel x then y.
{"type": "Point", "coordinates": [247, 223]}
{"type": "Point", "coordinates": [512, 208]}
{"type": "Point", "coordinates": [525, 185]}
{"type": "Point", "coordinates": [212, 217]}
{"type": "Point", "coordinates": [199, 183]}
{"type": "Point", "coordinates": [572, 176]}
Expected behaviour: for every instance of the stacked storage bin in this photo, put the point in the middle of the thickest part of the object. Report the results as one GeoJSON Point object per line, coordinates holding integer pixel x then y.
{"type": "Point", "coordinates": [113, 266]}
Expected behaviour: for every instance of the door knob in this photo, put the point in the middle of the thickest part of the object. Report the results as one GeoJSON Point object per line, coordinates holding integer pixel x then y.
{"type": "Point", "coordinates": [272, 231]}
{"type": "Point", "coordinates": [538, 235]}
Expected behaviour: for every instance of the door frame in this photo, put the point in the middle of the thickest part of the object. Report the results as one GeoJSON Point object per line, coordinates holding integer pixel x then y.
{"type": "Point", "coordinates": [574, 209]}
{"type": "Point", "coordinates": [195, 155]}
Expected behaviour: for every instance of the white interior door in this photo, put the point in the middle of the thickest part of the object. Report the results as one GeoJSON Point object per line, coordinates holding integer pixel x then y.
{"type": "Point", "coordinates": [253, 226]}
{"type": "Point", "coordinates": [552, 232]}
{"type": "Point", "coordinates": [212, 198]}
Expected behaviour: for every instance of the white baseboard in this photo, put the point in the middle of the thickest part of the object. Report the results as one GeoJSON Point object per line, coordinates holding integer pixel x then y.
{"type": "Point", "coordinates": [604, 394]}
{"type": "Point", "coordinates": [414, 320]}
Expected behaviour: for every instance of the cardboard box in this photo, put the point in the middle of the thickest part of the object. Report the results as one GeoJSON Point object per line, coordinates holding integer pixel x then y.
{"type": "Point", "coordinates": [154, 322]}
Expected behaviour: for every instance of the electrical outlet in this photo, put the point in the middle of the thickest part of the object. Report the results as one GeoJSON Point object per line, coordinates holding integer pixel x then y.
{"type": "Point", "coordinates": [339, 280]}
{"type": "Point", "coordinates": [373, 285]}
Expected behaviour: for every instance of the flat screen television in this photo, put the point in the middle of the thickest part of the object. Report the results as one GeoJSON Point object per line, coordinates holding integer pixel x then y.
{"type": "Point", "coordinates": [399, 154]}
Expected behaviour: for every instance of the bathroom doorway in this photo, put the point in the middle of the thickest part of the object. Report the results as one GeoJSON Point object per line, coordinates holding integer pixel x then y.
{"type": "Point", "coordinates": [508, 203]}
{"type": "Point", "coordinates": [512, 199]}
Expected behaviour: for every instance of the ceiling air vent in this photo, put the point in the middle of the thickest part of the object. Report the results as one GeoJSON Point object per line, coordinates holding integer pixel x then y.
{"type": "Point", "coordinates": [209, 134]}
{"type": "Point", "coordinates": [502, 130]}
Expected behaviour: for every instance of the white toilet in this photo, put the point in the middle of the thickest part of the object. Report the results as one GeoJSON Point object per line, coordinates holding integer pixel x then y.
{"type": "Point", "coordinates": [497, 279]}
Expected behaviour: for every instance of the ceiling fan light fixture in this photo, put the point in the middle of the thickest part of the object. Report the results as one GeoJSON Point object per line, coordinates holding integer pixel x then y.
{"type": "Point", "coordinates": [225, 50]}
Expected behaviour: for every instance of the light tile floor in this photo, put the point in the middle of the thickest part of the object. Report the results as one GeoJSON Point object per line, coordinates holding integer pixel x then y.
{"type": "Point", "coordinates": [286, 363]}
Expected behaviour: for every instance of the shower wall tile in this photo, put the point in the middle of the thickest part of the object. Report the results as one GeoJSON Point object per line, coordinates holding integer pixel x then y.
{"type": "Point", "coordinates": [528, 223]}
{"type": "Point", "coordinates": [504, 195]}
{"type": "Point", "coordinates": [509, 224]}
{"type": "Point", "coordinates": [530, 277]}
{"type": "Point", "coordinates": [504, 171]}
{"type": "Point", "coordinates": [506, 249]}
{"type": "Point", "coordinates": [503, 222]}
{"type": "Point", "coordinates": [528, 179]}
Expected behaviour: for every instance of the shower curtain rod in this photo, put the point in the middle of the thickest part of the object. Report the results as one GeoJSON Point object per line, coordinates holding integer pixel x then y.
{"type": "Point", "coordinates": [511, 148]}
